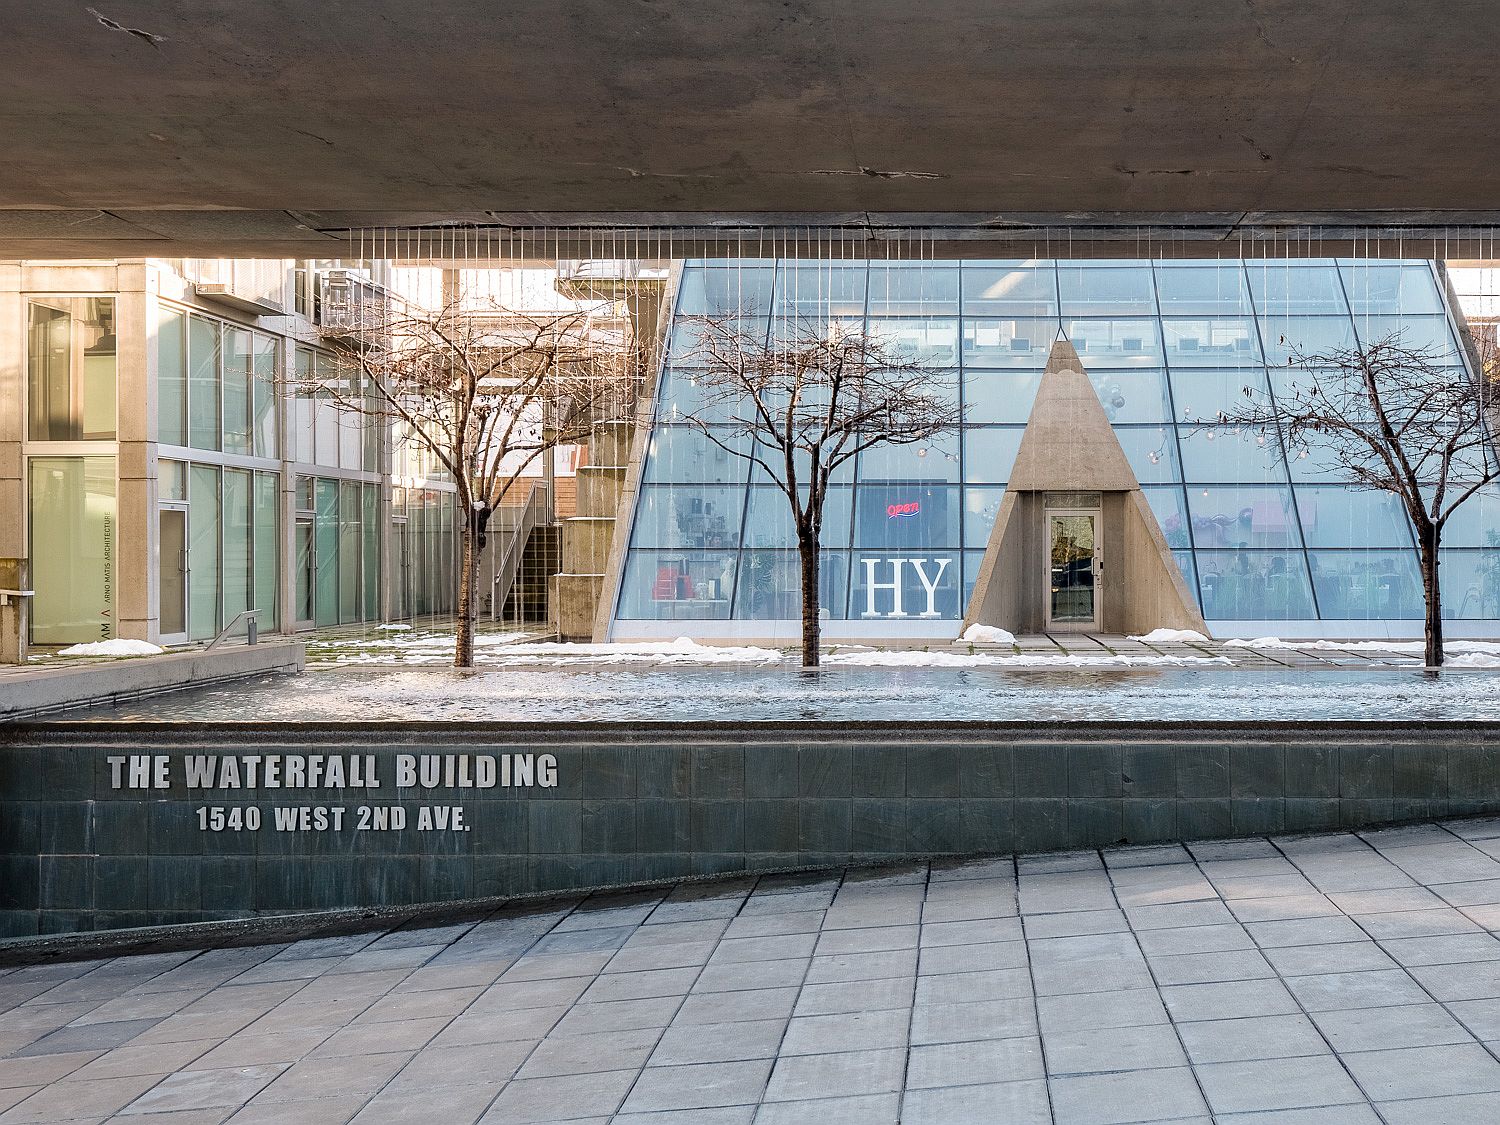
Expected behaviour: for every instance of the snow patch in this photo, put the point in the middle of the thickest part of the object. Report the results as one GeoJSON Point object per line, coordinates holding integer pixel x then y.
{"type": "Point", "coordinates": [116, 647]}
{"type": "Point", "coordinates": [1171, 637]}
{"type": "Point", "coordinates": [987, 635]}
{"type": "Point", "coordinates": [1025, 660]}
{"type": "Point", "coordinates": [1363, 646]}
{"type": "Point", "coordinates": [1473, 660]}
{"type": "Point", "coordinates": [395, 628]}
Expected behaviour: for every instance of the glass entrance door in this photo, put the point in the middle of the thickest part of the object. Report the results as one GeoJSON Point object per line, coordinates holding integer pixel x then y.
{"type": "Point", "coordinates": [306, 572]}
{"type": "Point", "coordinates": [1073, 561]}
{"type": "Point", "coordinates": [171, 567]}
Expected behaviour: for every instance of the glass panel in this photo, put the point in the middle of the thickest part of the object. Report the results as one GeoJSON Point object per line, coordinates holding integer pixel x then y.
{"type": "Point", "coordinates": [1071, 567]}
{"type": "Point", "coordinates": [1470, 582]}
{"type": "Point", "coordinates": [263, 397]}
{"type": "Point", "coordinates": [1366, 585]}
{"type": "Point", "coordinates": [1242, 517]}
{"type": "Point", "coordinates": [1012, 342]}
{"type": "Point", "coordinates": [326, 554]}
{"type": "Point", "coordinates": [205, 558]}
{"type": "Point", "coordinates": [1223, 341]}
{"type": "Point", "coordinates": [171, 569]}
{"type": "Point", "coordinates": [999, 396]}
{"type": "Point", "coordinates": [685, 453]}
{"type": "Point", "coordinates": [325, 415]}
{"type": "Point", "coordinates": [689, 335]}
{"type": "Point", "coordinates": [990, 453]}
{"type": "Point", "coordinates": [370, 571]}
{"type": "Point", "coordinates": [769, 520]}
{"type": "Point", "coordinates": [1475, 522]}
{"type": "Point", "coordinates": [915, 585]}
{"type": "Point", "coordinates": [302, 415]}
{"type": "Point", "coordinates": [1115, 343]}
{"type": "Point", "coordinates": [819, 290]}
{"type": "Point", "coordinates": [203, 383]}
{"type": "Point", "coordinates": [981, 509]}
{"type": "Point", "coordinates": [237, 367]}
{"type": "Point", "coordinates": [720, 292]}
{"type": "Point", "coordinates": [931, 342]}
{"type": "Point", "coordinates": [351, 430]}
{"type": "Point", "coordinates": [71, 369]}
{"type": "Point", "coordinates": [1201, 395]}
{"type": "Point", "coordinates": [1281, 289]}
{"type": "Point", "coordinates": [349, 544]}
{"type": "Point", "coordinates": [1216, 454]}
{"type": "Point", "coordinates": [1105, 290]}
{"type": "Point", "coordinates": [904, 518]}
{"type": "Point", "coordinates": [237, 560]}
{"type": "Point", "coordinates": [1291, 341]}
{"type": "Point", "coordinates": [267, 550]}
{"type": "Point", "coordinates": [1427, 334]}
{"type": "Point", "coordinates": [171, 377]}
{"type": "Point", "coordinates": [770, 586]}
{"type": "Point", "coordinates": [1130, 395]}
{"type": "Point", "coordinates": [305, 571]}
{"type": "Point", "coordinates": [1170, 510]}
{"type": "Point", "coordinates": [688, 515]}
{"type": "Point", "coordinates": [1254, 586]}
{"type": "Point", "coordinates": [1390, 289]}
{"type": "Point", "coordinates": [171, 480]}
{"type": "Point", "coordinates": [935, 459]}
{"type": "Point", "coordinates": [1216, 288]}
{"type": "Point", "coordinates": [1151, 452]}
{"type": "Point", "coordinates": [1019, 290]}
{"type": "Point", "coordinates": [677, 585]}
{"type": "Point", "coordinates": [73, 549]}
{"type": "Point", "coordinates": [1343, 517]}
{"type": "Point", "coordinates": [921, 289]}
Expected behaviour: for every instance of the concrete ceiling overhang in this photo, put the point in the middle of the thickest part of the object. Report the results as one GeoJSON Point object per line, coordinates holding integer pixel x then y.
{"type": "Point", "coordinates": [275, 127]}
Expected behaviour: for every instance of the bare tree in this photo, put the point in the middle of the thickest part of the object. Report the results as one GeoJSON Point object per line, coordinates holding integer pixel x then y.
{"type": "Point", "coordinates": [1393, 419]}
{"type": "Point", "coordinates": [803, 405]}
{"type": "Point", "coordinates": [486, 392]}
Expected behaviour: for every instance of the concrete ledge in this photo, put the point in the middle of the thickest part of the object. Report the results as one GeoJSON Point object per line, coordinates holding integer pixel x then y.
{"type": "Point", "coordinates": [37, 691]}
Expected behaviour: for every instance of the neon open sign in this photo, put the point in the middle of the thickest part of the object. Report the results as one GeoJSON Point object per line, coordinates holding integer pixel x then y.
{"type": "Point", "coordinates": [894, 511]}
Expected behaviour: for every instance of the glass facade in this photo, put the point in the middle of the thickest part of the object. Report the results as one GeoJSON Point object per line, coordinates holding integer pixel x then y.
{"type": "Point", "coordinates": [1167, 345]}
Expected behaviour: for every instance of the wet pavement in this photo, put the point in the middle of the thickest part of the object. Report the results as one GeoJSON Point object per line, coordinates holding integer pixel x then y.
{"type": "Point", "coordinates": [1333, 978]}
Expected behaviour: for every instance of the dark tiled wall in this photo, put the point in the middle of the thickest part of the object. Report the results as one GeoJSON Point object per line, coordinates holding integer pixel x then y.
{"type": "Point", "coordinates": [75, 854]}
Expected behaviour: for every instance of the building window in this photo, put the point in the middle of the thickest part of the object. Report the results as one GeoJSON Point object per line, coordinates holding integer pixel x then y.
{"type": "Point", "coordinates": [71, 369]}
{"type": "Point", "coordinates": [204, 429]}
{"type": "Point", "coordinates": [171, 377]}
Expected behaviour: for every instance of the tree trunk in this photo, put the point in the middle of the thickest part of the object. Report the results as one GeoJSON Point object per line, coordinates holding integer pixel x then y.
{"type": "Point", "coordinates": [468, 585]}
{"type": "Point", "coordinates": [807, 548]}
{"type": "Point", "coordinates": [1432, 595]}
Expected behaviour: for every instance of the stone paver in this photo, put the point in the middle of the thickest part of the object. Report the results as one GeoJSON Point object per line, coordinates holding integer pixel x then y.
{"type": "Point", "coordinates": [1348, 977]}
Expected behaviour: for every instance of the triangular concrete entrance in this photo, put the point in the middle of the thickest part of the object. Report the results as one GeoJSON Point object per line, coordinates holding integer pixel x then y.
{"type": "Point", "coordinates": [1070, 458]}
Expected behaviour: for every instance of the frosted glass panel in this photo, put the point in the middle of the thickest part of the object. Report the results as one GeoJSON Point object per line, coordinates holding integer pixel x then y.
{"type": "Point", "coordinates": [74, 549]}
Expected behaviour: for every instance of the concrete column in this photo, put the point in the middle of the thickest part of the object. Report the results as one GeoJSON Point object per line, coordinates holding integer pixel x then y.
{"type": "Point", "coordinates": [137, 579]}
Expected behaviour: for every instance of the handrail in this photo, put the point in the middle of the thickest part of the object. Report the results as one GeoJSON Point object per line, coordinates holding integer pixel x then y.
{"type": "Point", "coordinates": [533, 511]}
{"type": "Point", "coordinates": [249, 617]}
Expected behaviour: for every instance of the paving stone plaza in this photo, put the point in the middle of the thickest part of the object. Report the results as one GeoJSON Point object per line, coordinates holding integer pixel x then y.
{"type": "Point", "coordinates": [1340, 978]}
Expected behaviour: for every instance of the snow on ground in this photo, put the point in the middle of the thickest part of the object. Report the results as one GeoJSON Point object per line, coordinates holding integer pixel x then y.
{"type": "Point", "coordinates": [1362, 646]}
{"type": "Point", "coordinates": [987, 635]}
{"type": "Point", "coordinates": [116, 647]}
{"type": "Point", "coordinates": [908, 659]}
{"type": "Point", "coordinates": [395, 628]}
{"type": "Point", "coordinates": [1171, 637]}
{"type": "Point", "coordinates": [1472, 660]}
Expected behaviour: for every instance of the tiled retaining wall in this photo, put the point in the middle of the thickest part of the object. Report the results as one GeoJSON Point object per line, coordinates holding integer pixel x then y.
{"type": "Point", "coordinates": [655, 801]}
